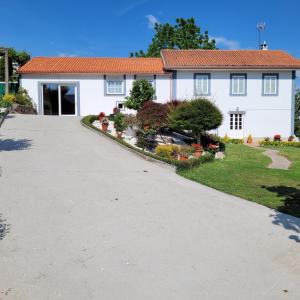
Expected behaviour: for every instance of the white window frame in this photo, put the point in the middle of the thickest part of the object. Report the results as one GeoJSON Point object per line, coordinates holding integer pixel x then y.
{"type": "Point", "coordinates": [241, 80]}
{"type": "Point", "coordinates": [108, 81]}
{"type": "Point", "coordinates": [204, 79]}
{"type": "Point", "coordinates": [267, 88]}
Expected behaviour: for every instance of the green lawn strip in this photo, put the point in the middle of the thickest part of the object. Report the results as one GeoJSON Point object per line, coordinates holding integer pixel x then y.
{"type": "Point", "coordinates": [244, 173]}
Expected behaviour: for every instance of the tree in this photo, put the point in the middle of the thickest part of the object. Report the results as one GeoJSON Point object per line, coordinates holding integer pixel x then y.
{"type": "Point", "coordinates": [297, 113]}
{"type": "Point", "coordinates": [197, 116]}
{"type": "Point", "coordinates": [141, 92]}
{"type": "Point", "coordinates": [153, 114]}
{"type": "Point", "coordinates": [185, 34]}
{"type": "Point", "coordinates": [16, 60]}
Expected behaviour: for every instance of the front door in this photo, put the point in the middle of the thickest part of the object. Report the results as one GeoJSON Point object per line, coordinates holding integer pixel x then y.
{"type": "Point", "coordinates": [236, 125]}
{"type": "Point", "coordinates": [59, 99]}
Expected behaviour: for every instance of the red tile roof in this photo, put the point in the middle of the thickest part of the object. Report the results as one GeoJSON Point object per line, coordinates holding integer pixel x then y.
{"type": "Point", "coordinates": [228, 59]}
{"type": "Point", "coordinates": [96, 65]}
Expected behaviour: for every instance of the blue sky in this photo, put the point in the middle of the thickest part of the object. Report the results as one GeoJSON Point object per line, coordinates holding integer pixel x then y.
{"type": "Point", "coordinates": [114, 28]}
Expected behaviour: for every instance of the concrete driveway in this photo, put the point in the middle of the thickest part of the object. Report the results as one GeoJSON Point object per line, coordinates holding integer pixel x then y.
{"type": "Point", "coordinates": [83, 218]}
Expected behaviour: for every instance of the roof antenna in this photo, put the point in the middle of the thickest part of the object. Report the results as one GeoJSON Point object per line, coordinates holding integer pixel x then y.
{"type": "Point", "coordinates": [261, 26]}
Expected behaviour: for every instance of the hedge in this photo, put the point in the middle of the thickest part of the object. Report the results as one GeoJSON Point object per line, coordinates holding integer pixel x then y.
{"type": "Point", "coordinates": [180, 165]}
{"type": "Point", "coordinates": [279, 144]}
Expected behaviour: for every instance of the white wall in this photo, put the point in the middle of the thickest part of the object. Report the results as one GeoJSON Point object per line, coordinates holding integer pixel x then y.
{"type": "Point", "coordinates": [91, 96]}
{"type": "Point", "coordinates": [265, 115]}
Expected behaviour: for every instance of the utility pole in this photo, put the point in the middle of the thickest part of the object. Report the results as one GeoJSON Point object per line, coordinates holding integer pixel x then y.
{"type": "Point", "coordinates": [6, 71]}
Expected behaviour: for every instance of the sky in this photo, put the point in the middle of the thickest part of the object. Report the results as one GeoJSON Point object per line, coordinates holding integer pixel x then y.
{"type": "Point", "coordinates": [116, 28]}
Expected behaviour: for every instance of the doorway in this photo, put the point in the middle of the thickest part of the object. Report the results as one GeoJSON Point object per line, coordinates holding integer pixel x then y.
{"type": "Point", "coordinates": [59, 99]}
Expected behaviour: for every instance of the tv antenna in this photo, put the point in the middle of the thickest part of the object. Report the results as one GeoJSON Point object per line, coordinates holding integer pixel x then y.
{"type": "Point", "coordinates": [261, 26]}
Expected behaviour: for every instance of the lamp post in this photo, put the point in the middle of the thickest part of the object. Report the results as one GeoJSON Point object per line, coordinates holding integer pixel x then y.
{"type": "Point", "coordinates": [260, 27]}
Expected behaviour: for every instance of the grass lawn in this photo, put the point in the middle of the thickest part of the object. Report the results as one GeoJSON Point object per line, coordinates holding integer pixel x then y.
{"type": "Point", "coordinates": [244, 173]}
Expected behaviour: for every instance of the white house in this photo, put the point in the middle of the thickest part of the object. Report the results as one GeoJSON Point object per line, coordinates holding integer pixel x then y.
{"type": "Point", "coordinates": [253, 88]}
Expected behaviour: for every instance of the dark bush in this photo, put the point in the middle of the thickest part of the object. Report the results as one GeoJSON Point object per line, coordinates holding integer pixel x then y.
{"type": "Point", "coordinates": [154, 115]}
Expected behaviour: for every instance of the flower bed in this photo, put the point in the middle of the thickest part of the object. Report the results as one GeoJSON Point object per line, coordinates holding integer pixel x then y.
{"type": "Point", "coordinates": [91, 121]}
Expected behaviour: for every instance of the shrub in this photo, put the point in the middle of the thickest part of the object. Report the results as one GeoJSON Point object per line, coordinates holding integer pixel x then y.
{"type": "Point", "coordinates": [153, 114]}
{"type": "Point", "coordinates": [186, 150]}
{"type": "Point", "coordinates": [141, 92]}
{"type": "Point", "coordinates": [167, 151]}
{"type": "Point", "coordinates": [119, 122]}
{"type": "Point", "coordinates": [228, 140]}
{"type": "Point", "coordinates": [23, 98]}
{"type": "Point", "coordinates": [101, 116]}
{"type": "Point", "coordinates": [279, 144]}
{"type": "Point", "coordinates": [8, 99]}
{"type": "Point", "coordinates": [146, 139]}
{"type": "Point", "coordinates": [197, 116]}
{"type": "Point", "coordinates": [131, 120]}
{"type": "Point", "coordinates": [267, 139]}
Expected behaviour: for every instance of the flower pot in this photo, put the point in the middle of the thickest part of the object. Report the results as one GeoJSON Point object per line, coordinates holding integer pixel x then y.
{"type": "Point", "coordinates": [198, 153]}
{"type": "Point", "coordinates": [249, 141]}
{"type": "Point", "coordinates": [119, 135]}
{"type": "Point", "coordinates": [104, 127]}
{"type": "Point", "coordinates": [183, 157]}
{"type": "Point", "coordinates": [197, 147]}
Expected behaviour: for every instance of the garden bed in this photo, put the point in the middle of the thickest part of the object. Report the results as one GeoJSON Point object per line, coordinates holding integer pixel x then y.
{"type": "Point", "coordinates": [180, 165]}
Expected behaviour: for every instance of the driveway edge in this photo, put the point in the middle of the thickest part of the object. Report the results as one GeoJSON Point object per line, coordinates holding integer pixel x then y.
{"type": "Point", "coordinates": [148, 158]}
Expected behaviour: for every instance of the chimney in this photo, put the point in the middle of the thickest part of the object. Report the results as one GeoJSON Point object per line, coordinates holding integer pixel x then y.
{"type": "Point", "coordinates": [264, 46]}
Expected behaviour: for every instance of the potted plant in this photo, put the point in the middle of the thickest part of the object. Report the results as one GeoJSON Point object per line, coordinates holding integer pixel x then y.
{"type": "Point", "coordinates": [185, 152]}
{"type": "Point", "coordinates": [198, 150]}
{"type": "Point", "coordinates": [120, 124]}
{"type": "Point", "coordinates": [104, 124]}
{"type": "Point", "coordinates": [101, 116]}
{"type": "Point", "coordinates": [249, 139]}
{"type": "Point", "coordinates": [277, 138]}
{"type": "Point", "coordinates": [116, 110]}
{"type": "Point", "coordinates": [291, 138]}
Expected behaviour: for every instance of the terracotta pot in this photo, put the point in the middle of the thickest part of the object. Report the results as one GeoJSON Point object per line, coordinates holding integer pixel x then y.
{"type": "Point", "coordinates": [104, 127]}
{"type": "Point", "coordinates": [183, 157]}
{"type": "Point", "coordinates": [197, 147]}
{"type": "Point", "coordinates": [249, 141]}
{"type": "Point", "coordinates": [197, 153]}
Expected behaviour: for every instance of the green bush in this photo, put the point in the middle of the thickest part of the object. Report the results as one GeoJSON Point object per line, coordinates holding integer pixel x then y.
{"type": "Point", "coordinates": [180, 165]}
{"type": "Point", "coordinates": [8, 99]}
{"type": "Point", "coordinates": [198, 116]}
{"type": "Point", "coordinates": [119, 122]}
{"type": "Point", "coordinates": [141, 92]}
{"type": "Point", "coordinates": [23, 98]}
{"type": "Point", "coordinates": [228, 140]}
{"type": "Point", "coordinates": [279, 144]}
{"type": "Point", "coordinates": [167, 151]}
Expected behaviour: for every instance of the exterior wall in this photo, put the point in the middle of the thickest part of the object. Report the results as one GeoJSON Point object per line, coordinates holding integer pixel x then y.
{"type": "Point", "coordinates": [263, 115]}
{"type": "Point", "coordinates": [91, 96]}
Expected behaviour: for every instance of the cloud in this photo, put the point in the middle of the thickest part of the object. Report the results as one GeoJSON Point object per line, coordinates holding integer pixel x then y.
{"type": "Point", "coordinates": [126, 9]}
{"type": "Point", "coordinates": [63, 54]}
{"type": "Point", "coordinates": [228, 44]}
{"type": "Point", "coordinates": [151, 21]}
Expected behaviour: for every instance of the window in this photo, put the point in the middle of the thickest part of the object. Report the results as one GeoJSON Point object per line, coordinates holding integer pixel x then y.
{"type": "Point", "coordinates": [236, 121]}
{"type": "Point", "coordinates": [120, 106]}
{"type": "Point", "coordinates": [238, 84]}
{"type": "Point", "coordinates": [114, 87]}
{"type": "Point", "coordinates": [202, 84]}
{"type": "Point", "coordinates": [270, 84]}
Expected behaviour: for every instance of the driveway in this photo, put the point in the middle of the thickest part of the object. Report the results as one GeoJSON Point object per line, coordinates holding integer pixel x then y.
{"type": "Point", "coordinates": [84, 218]}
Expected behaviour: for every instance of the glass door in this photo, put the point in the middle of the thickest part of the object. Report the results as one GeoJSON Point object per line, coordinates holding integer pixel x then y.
{"type": "Point", "coordinates": [67, 99]}
{"type": "Point", "coordinates": [59, 99]}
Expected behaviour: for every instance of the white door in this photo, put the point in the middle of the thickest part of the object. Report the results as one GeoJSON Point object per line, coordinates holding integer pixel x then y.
{"type": "Point", "coordinates": [236, 126]}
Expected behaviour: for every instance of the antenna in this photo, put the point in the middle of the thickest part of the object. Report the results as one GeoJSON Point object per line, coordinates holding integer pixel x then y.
{"type": "Point", "coordinates": [261, 26]}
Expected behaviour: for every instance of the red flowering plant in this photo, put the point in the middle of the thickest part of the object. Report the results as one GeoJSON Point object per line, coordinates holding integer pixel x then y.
{"type": "Point", "coordinates": [277, 138]}
{"type": "Point", "coordinates": [101, 116]}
